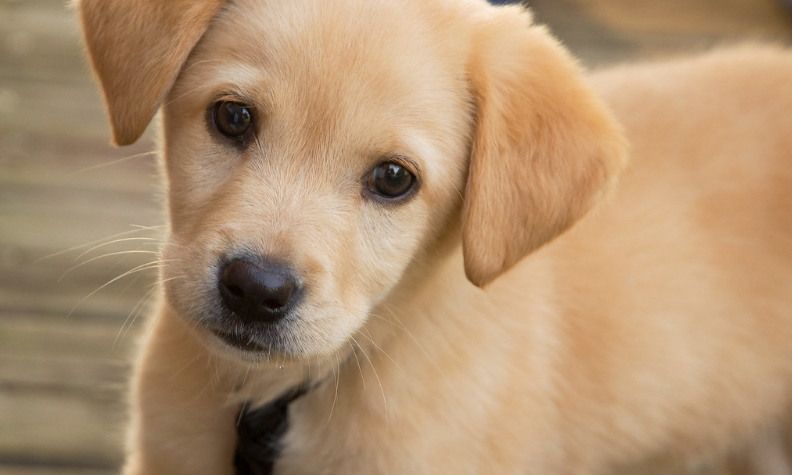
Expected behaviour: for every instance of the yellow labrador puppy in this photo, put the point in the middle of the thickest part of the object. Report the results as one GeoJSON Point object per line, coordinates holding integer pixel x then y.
{"type": "Point", "coordinates": [353, 188]}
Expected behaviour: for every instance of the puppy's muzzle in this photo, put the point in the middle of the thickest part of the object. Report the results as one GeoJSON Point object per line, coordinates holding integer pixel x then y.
{"type": "Point", "coordinates": [258, 292]}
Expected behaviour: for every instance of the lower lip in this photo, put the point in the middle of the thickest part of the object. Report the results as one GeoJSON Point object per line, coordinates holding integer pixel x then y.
{"type": "Point", "coordinates": [240, 343]}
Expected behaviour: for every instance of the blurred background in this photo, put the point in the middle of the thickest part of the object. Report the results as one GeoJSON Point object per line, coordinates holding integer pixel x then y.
{"type": "Point", "coordinates": [80, 220]}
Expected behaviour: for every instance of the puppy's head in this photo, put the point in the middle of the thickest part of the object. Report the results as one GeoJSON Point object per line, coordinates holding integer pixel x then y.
{"type": "Point", "coordinates": [319, 152]}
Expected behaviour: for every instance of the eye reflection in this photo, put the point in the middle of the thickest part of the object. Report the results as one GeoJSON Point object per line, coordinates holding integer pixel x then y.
{"type": "Point", "coordinates": [232, 119]}
{"type": "Point", "coordinates": [391, 180]}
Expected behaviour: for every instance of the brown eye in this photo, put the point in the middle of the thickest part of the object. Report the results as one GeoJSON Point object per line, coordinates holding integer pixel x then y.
{"type": "Point", "coordinates": [391, 180]}
{"type": "Point", "coordinates": [232, 119]}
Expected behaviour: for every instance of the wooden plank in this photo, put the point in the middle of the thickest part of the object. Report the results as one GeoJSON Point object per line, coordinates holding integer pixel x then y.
{"type": "Point", "coordinates": [725, 19]}
{"type": "Point", "coordinates": [59, 428]}
{"type": "Point", "coordinates": [612, 31]}
{"type": "Point", "coordinates": [55, 470]}
{"type": "Point", "coordinates": [62, 383]}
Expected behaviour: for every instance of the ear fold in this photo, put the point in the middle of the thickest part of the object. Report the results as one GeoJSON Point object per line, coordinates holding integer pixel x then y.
{"type": "Point", "coordinates": [137, 48]}
{"type": "Point", "coordinates": [544, 150]}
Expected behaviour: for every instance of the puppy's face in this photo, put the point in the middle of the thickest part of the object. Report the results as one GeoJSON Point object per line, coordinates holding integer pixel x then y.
{"type": "Point", "coordinates": [313, 152]}
{"type": "Point", "coordinates": [317, 152]}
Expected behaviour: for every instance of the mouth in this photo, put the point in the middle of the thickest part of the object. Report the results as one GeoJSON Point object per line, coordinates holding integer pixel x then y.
{"type": "Point", "coordinates": [240, 341]}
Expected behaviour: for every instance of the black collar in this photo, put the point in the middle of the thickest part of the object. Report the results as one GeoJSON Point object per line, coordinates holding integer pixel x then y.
{"type": "Point", "coordinates": [260, 431]}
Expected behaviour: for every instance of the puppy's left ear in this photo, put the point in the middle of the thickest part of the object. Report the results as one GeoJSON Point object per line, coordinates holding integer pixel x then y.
{"type": "Point", "coordinates": [544, 150]}
{"type": "Point", "coordinates": [137, 48]}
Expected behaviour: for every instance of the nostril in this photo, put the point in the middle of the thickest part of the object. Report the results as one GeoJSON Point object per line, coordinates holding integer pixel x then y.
{"type": "Point", "coordinates": [236, 276]}
{"type": "Point", "coordinates": [273, 304]}
{"type": "Point", "coordinates": [277, 290]}
{"type": "Point", "coordinates": [257, 291]}
{"type": "Point", "coordinates": [236, 291]}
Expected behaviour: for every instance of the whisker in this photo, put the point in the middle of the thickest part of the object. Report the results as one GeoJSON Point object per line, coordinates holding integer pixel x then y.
{"type": "Point", "coordinates": [215, 379]}
{"type": "Point", "coordinates": [116, 241]}
{"type": "Point", "coordinates": [241, 413]}
{"type": "Point", "coordinates": [103, 256]}
{"type": "Point", "coordinates": [48, 256]}
{"type": "Point", "coordinates": [142, 267]}
{"type": "Point", "coordinates": [112, 162]}
{"type": "Point", "coordinates": [357, 360]}
{"type": "Point", "coordinates": [400, 325]}
{"type": "Point", "coordinates": [337, 374]}
{"type": "Point", "coordinates": [379, 382]}
{"type": "Point", "coordinates": [378, 348]}
{"type": "Point", "coordinates": [131, 281]}
{"type": "Point", "coordinates": [150, 327]}
{"type": "Point", "coordinates": [130, 319]}
{"type": "Point", "coordinates": [247, 371]}
{"type": "Point", "coordinates": [158, 227]}
{"type": "Point", "coordinates": [184, 367]}
{"type": "Point", "coordinates": [204, 86]}
{"type": "Point", "coordinates": [161, 282]}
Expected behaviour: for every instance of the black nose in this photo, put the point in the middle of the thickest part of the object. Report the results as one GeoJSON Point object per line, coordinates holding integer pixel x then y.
{"type": "Point", "coordinates": [257, 292]}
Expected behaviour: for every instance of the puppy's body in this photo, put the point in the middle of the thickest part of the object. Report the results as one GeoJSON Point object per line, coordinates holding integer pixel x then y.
{"type": "Point", "coordinates": [659, 326]}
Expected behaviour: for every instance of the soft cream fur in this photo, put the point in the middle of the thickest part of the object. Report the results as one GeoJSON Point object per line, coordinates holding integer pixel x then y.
{"type": "Point", "coordinates": [659, 327]}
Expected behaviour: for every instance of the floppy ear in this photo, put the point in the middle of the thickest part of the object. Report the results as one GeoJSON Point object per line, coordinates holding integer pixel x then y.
{"type": "Point", "coordinates": [545, 148]}
{"type": "Point", "coordinates": [137, 48]}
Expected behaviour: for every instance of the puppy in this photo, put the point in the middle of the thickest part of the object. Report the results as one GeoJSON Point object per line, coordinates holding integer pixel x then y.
{"type": "Point", "coordinates": [406, 211]}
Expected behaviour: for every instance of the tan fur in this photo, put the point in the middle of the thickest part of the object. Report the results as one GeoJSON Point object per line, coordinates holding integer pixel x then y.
{"type": "Point", "coordinates": [657, 328]}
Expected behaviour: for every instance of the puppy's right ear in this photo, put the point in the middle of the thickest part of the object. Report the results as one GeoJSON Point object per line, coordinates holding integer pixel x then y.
{"type": "Point", "coordinates": [137, 48]}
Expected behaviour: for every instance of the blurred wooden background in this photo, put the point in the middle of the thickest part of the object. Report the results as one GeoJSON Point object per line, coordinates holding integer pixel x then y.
{"type": "Point", "coordinates": [65, 195]}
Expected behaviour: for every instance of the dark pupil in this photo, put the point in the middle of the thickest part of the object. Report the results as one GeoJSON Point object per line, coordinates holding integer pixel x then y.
{"type": "Point", "coordinates": [233, 119]}
{"type": "Point", "coordinates": [391, 179]}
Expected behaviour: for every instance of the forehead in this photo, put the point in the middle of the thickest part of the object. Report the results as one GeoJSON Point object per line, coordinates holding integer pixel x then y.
{"type": "Point", "coordinates": [313, 38]}
{"type": "Point", "coordinates": [335, 66]}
